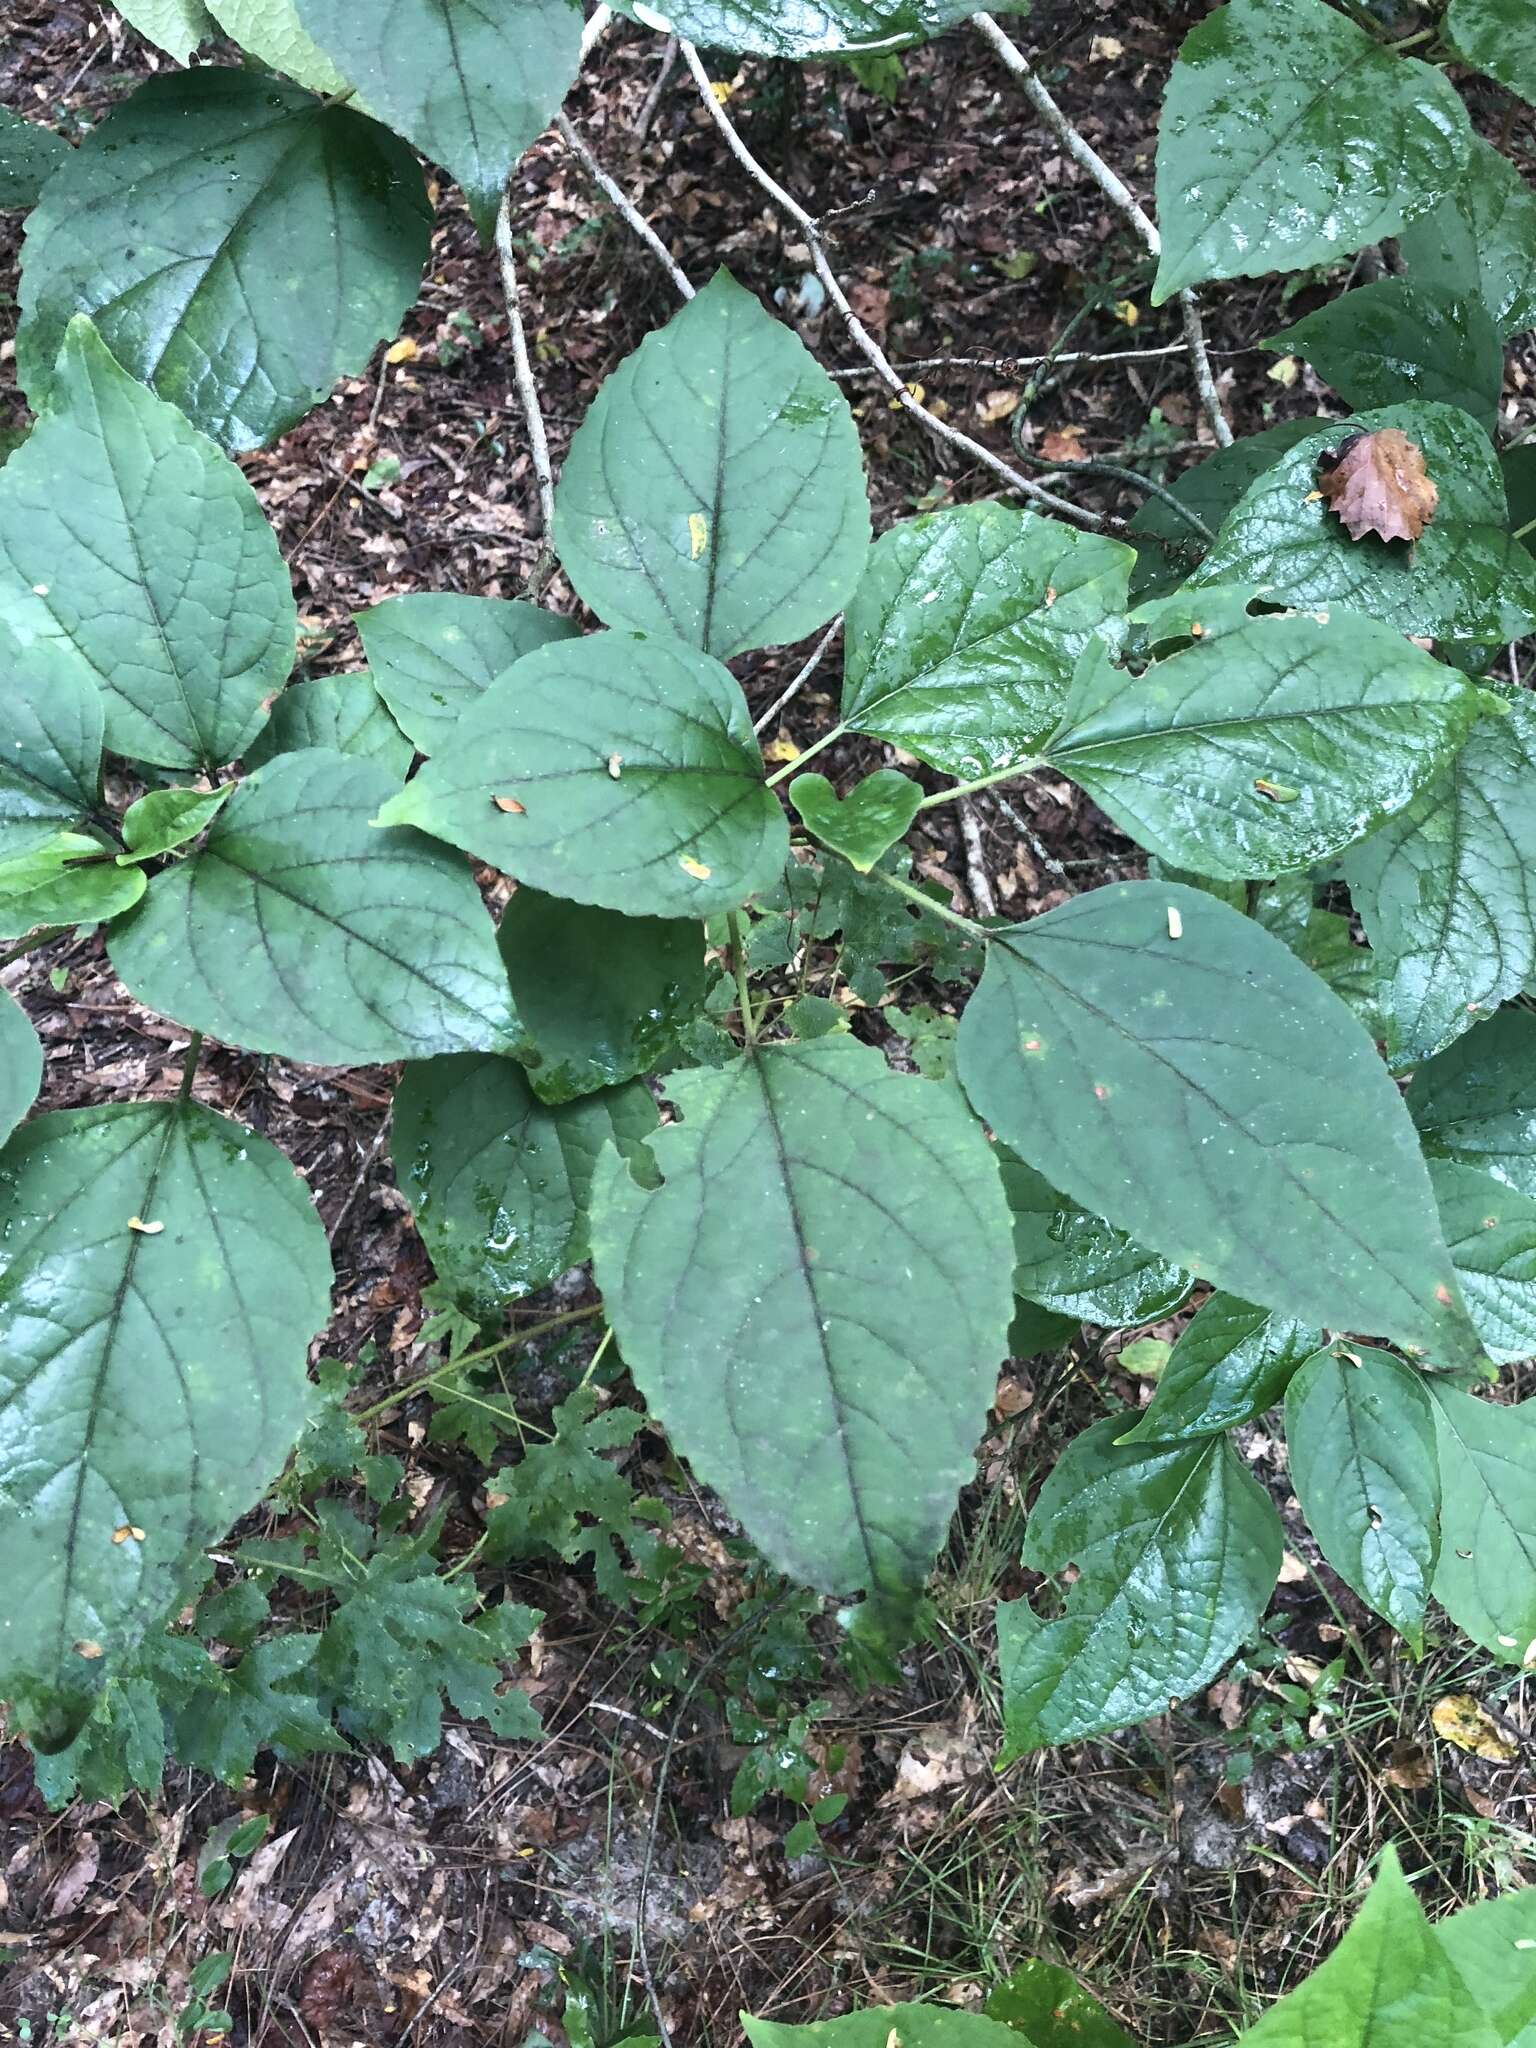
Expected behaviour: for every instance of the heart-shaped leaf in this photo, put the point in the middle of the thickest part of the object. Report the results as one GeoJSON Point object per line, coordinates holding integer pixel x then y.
{"type": "Point", "coordinates": [864, 824]}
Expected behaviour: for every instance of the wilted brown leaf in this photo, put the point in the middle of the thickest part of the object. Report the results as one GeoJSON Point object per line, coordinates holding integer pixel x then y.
{"type": "Point", "coordinates": [1063, 444]}
{"type": "Point", "coordinates": [1377, 483]}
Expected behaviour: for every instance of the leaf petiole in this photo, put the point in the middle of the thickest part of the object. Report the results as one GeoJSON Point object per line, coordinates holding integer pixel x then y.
{"type": "Point", "coordinates": [964, 924]}
{"type": "Point", "coordinates": [792, 767]}
{"type": "Point", "coordinates": [959, 789]}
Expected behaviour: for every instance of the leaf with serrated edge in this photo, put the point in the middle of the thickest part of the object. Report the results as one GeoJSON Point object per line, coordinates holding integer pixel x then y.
{"type": "Point", "coordinates": [1208, 1094]}
{"type": "Point", "coordinates": [815, 1302]}
{"type": "Point", "coordinates": [149, 1380]}
{"type": "Point", "coordinates": [50, 766]}
{"type": "Point", "coordinates": [240, 245]}
{"type": "Point", "coordinates": [715, 489]}
{"type": "Point", "coordinates": [343, 713]}
{"type": "Point", "coordinates": [1361, 1436]}
{"type": "Point", "coordinates": [1177, 1548]}
{"type": "Point", "coordinates": [299, 929]}
{"type": "Point", "coordinates": [434, 653]}
{"type": "Point", "coordinates": [1486, 1577]}
{"type": "Point", "coordinates": [1476, 1101]}
{"type": "Point", "coordinates": [156, 570]}
{"type": "Point", "coordinates": [637, 781]}
{"type": "Point", "coordinates": [1079, 1266]}
{"type": "Point", "coordinates": [1231, 1362]}
{"type": "Point", "coordinates": [21, 1065]}
{"type": "Point", "coordinates": [960, 641]}
{"type": "Point", "coordinates": [1335, 710]}
{"type": "Point", "coordinates": [1491, 1230]}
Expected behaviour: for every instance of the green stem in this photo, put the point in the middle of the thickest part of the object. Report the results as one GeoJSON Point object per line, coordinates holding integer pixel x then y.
{"type": "Point", "coordinates": [512, 1343]}
{"type": "Point", "coordinates": [793, 767]}
{"type": "Point", "coordinates": [1521, 531]}
{"type": "Point", "coordinates": [923, 902]}
{"type": "Point", "coordinates": [189, 1067]}
{"type": "Point", "coordinates": [948, 796]}
{"type": "Point", "coordinates": [739, 968]}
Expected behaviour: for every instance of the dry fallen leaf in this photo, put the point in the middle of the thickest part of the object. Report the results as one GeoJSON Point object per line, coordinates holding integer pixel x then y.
{"type": "Point", "coordinates": [1377, 483]}
{"type": "Point", "coordinates": [1467, 1724]}
{"type": "Point", "coordinates": [509, 804]}
{"type": "Point", "coordinates": [1063, 444]}
{"type": "Point", "coordinates": [1408, 1768]}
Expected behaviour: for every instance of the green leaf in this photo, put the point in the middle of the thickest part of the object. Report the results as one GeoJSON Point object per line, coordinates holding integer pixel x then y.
{"type": "Point", "coordinates": [1398, 339]}
{"type": "Point", "coordinates": [1177, 1548]}
{"type": "Point", "coordinates": [498, 1181]}
{"type": "Point", "coordinates": [1477, 240]}
{"type": "Point", "coordinates": [617, 770]}
{"type": "Point", "coordinates": [815, 1302]}
{"type": "Point", "coordinates": [1077, 1265]}
{"type": "Point", "coordinates": [1486, 1578]}
{"type": "Point", "coordinates": [1052, 2010]}
{"type": "Point", "coordinates": [601, 998]}
{"type": "Point", "coordinates": [874, 815]}
{"type": "Point", "coordinates": [1231, 1362]}
{"type": "Point", "coordinates": [1464, 579]}
{"type": "Point", "coordinates": [470, 86]}
{"type": "Point", "coordinates": [1361, 1433]}
{"type": "Point", "coordinates": [340, 712]}
{"type": "Point", "coordinates": [1168, 546]}
{"type": "Point", "coordinates": [298, 929]}
{"type": "Point", "coordinates": [1476, 1101]}
{"type": "Point", "coordinates": [1268, 745]}
{"type": "Point", "coordinates": [1290, 137]}
{"type": "Point", "coordinates": [1491, 1230]}
{"type": "Point", "coordinates": [271, 32]}
{"type": "Point", "coordinates": [1209, 1095]}
{"type": "Point", "coordinates": [29, 156]}
{"type": "Point", "coordinates": [563, 1498]}
{"type": "Point", "coordinates": [772, 29]}
{"type": "Point", "coordinates": [1447, 889]}
{"type": "Point", "coordinates": [177, 26]}
{"type": "Point", "coordinates": [309, 228]}
{"type": "Point", "coordinates": [961, 638]}
{"type": "Point", "coordinates": [715, 489]}
{"type": "Point", "coordinates": [1497, 37]}
{"type": "Point", "coordinates": [915, 2026]}
{"type": "Point", "coordinates": [435, 654]}
{"type": "Point", "coordinates": [156, 569]}
{"type": "Point", "coordinates": [21, 1065]}
{"type": "Point", "coordinates": [1036, 1332]}
{"type": "Point", "coordinates": [50, 768]}
{"type": "Point", "coordinates": [1492, 1947]}
{"type": "Point", "coordinates": [167, 818]}
{"type": "Point", "coordinates": [1387, 1983]}
{"type": "Point", "coordinates": [152, 1378]}
{"type": "Point", "coordinates": [67, 880]}
{"type": "Point", "coordinates": [1518, 469]}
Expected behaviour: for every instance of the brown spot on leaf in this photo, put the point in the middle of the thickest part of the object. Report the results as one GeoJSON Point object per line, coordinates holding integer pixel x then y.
{"type": "Point", "coordinates": [1377, 483]}
{"type": "Point", "coordinates": [509, 804]}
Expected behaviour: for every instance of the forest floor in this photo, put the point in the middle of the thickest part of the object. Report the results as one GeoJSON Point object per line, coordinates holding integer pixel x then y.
{"type": "Point", "coordinates": [1187, 1870]}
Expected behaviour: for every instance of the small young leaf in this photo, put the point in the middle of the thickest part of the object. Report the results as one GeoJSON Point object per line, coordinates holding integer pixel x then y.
{"type": "Point", "coordinates": [1048, 2006]}
{"type": "Point", "coordinates": [29, 156]}
{"type": "Point", "coordinates": [435, 654]}
{"type": "Point", "coordinates": [1486, 1577]}
{"type": "Point", "coordinates": [167, 818]}
{"type": "Point", "coordinates": [340, 712]}
{"type": "Point", "coordinates": [1232, 1361]}
{"type": "Point", "coordinates": [1077, 1265]}
{"type": "Point", "coordinates": [1477, 241]}
{"type": "Point", "coordinates": [1399, 339]}
{"type": "Point", "coordinates": [21, 1065]}
{"type": "Point", "coordinates": [864, 824]}
{"type": "Point", "coordinates": [1491, 1230]}
{"type": "Point", "coordinates": [1361, 1434]}
{"type": "Point", "coordinates": [1476, 1101]}
{"type": "Point", "coordinates": [50, 766]}
{"type": "Point", "coordinates": [715, 490]}
{"type": "Point", "coordinates": [1498, 37]}
{"type": "Point", "coordinates": [66, 880]}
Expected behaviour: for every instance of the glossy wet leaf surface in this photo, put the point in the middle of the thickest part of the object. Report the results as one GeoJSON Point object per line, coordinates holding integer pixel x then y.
{"type": "Point", "coordinates": [1476, 1101]}
{"type": "Point", "coordinates": [715, 489]}
{"type": "Point", "coordinates": [1491, 1230]}
{"type": "Point", "coordinates": [1076, 1264]}
{"type": "Point", "coordinates": [434, 653]}
{"type": "Point", "coordinates": [1486, 1577]}
{"type": "Point", "coordinates": [1497, 37]}
{"type": "Point", "coordinates": [50, 766]}
{"type": "Point", "coordinates": [1398, 339]}
{"type": "Point", "coordinates": [1168, 548]}
{"type": "Point", "coordinates": [848, 1223]}
{"type": "Point", "coordinates": [865, 823]}
{"type": "Point", "coordinates": [803, 28]}
{"type": "Point", "coordinates": [239, 245]}
{"type": "Point", "coordinates": [619, 770]}
{"type": "Point", "coordinates": [29, 155]}
{"type": "Point", "coordinates": [343, 713]}
{"type": "Point", "coordinates": [1231, 1362]}
{"type": "Point", "coordinates": [1208, 1094]}
{"type": "Point", "coordinates": [1477, 240]}
{"type": "Point", "coordinates": [21, 1065]}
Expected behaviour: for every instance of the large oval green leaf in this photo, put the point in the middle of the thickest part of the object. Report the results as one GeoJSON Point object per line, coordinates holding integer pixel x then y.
{"type": "Point", "coordinates": [239, 245]}
{"type": "Point", "coordinates": [1208, 1094]}
{"type": "Point", "coordinates": [470, 85]}
{"type": "Point", "coordinates": [618, 770]}
{"type": "Point", "coordinates": [961, 638]}
{"type": "Point", "coordinates": [815, 1302]}
{"type": "Point", "coordinates": [156, 569]}
{"type": "Point", "coordinates": [792, 28]}
{"type": "Point", "coordinates": [50, 764]}
{"type": "Point", "coordinates": [1486, 1576]}
{"type": "Point", "coordinates": [297, 928]}
{"type": "Point", "coordinates": [435, 653]}
{"type": "Point", "coordinates": [1231, 1362]}
{"type": "Point", "coordinates": [162, 1271]}
{"type": "Point", "coordinates": [1399, 339]}
{"type": "Point", "coordinates": [715, 490]}
{"type": "Point", "coordinates": [21, 1065]}
{"type": "Point", "coordinates": [1291, 137]}
{"type": "Point", "coordinates": [1477, 240]}
{"type": "Point", "coordinates": [1266, 746]}
{"type": "Point", "coordinates": [1476, 1101]}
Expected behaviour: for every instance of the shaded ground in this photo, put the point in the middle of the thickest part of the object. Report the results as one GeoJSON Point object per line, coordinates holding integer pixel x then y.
{"type": "Point", "coordinates": [467, 1897]}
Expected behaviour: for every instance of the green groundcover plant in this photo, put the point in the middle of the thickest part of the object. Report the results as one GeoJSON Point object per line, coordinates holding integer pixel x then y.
{"type": "Point", "coordinates": [1295, 1065]}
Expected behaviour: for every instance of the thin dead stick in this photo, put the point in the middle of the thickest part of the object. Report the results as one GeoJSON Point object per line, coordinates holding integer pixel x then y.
{"type": "Point", "coordinates": [595, 30]}
{"type": "Point", "coordinates": [1120, 196]}
{"type": "Point", "coordinates": [862, 339]}
{"type": "Point", "coordinates": [803, 677]}
{"type": "Point", "coordinates": [983, 902]}
{"type": "Point", "coordinates": [1119, 355]}
{"type": "Point", "coordinates": [622, 204]}
{"type": "Point", "coordinates": [528, 394]}
{"type": "Point", "coordinates": [659, 86]}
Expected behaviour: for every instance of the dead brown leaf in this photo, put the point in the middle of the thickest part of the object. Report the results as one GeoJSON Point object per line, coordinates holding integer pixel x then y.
{"type": "Point", "coordinates": [1063, 444]}
{"type": "Point", "coordinates": [1467, 1724]}
{"type": "Point", "coordinates": [1377, 483]}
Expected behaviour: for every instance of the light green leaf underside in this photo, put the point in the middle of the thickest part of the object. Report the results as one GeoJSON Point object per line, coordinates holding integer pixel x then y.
{"type": "Point", "coordinates": [1447, 889]}
{"type": "Point", "coordinates": [1464, 579]}
{"type": "Point", "coordinates": [1478, 240]}
{"type": "Point", "coordinates": [640, 783]}
{"type": "Point", "coordinates": [239, 245]}
{"type": "Point", "coordinates": [29, 156]}
{"type": "Point", "coordinates": [300, 929]}
{"type": "Point", "coordinates": [50, 765]}
{"type": "Point", "coordinates": [177, 26]}
{"type": "Point", "coordinates": [1398, 339]}
{"type": "Point", "coordinates": [1079, 1266]}
{"type": "Point", "coordinates": [1476, 1101]}
{"type": "Point", "coordinates": [600, 998]}
{"type": "Point", "coordinates": [815, 1302]}
{"type": "Point", "coordinates": [342, 713]}
{"type": "Point", "coordinates": [164, 819]}
{"type": "Point", "coordinates": [1290, 137]}
{"type": "Point", "coordinates": [915, 2026]}
{"type": "Point", "coordinates": [1486, 1577]}
{"type": "Point", "coordinates": [155, 570]}
{"type": "Point", "coordinates": [715, 489]}
{"type": "Point", "coordinates": [435, 654]}
{"type": "Point", "coordinates": [1177, 1548]}
{"type": "Point", "coordinates": [1339, 715]}
{"type": "Point", "coordinates": [147, 1381]}
{"type": "Point", "coordinates": [271, 32]}
{"type": "Point", "coordinates": [498, 1181]}
{"type": "Point", "coordinates": [70, 879]}
{"type": "Point", "coordinates": [1498, 37]}
{"type": "Point", "coordinates": [1231, 1362]}
{"type": "Point", "coordinates": [960, 641]}
{"type": "Point", "coordinates": [1361, 1436]}
{"type": "Point", "coordinates": [21, 1065]}
{"type": "Point", "coordinates": [1493, 1947]}
{"type": "Point", "coordinates": [471, 84]}
{"type": "Point", "coordinates": [1491, 1230]}
{"type": "Point", "coordinates": [1209, 1095]}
